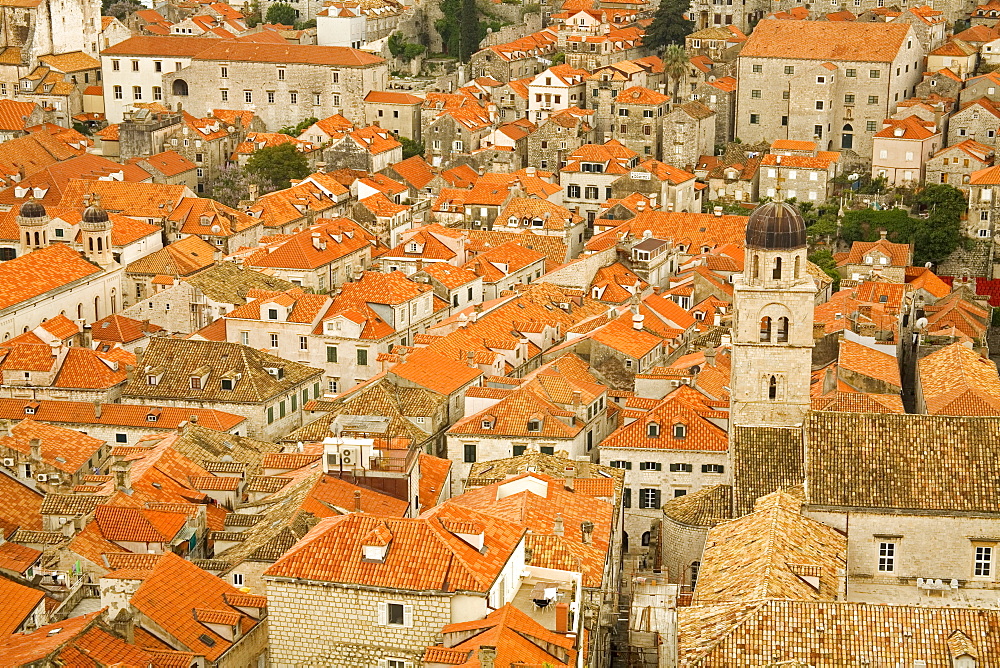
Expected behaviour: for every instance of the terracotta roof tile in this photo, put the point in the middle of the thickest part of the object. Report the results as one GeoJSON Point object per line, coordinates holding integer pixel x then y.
{"type": "Point", "coordinates": [826, 40]}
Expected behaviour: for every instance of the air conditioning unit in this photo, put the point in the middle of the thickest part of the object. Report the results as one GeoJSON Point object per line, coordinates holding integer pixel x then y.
{"type": "Point", "coordinates": [53, 477]}
{"type": "Point", "coordinates": [8, 461]}
{"type": "Point", "coordinates": [348, 456]}
{"type": "Point", "coordinates": [41, 477]}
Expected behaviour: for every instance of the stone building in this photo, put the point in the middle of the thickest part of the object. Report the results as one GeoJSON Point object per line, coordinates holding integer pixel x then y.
{"type": "Point", "coordinates": [902, 149]}
{"type": "Point", "coordinates": [395, 111]}
{"type": "Point", "coordinates": [269, 391]}
{"type": "Point", "coordinates": [589, 171]}
{"type": "Point", "coordinates": [558, 136]}
{"type": "Point", "coordinates": [37, 29]}
{"type": "Point", "coordinates": [638, 120]}
{"type": "Point", "coordinates": [281, 83]}
{"type": "Point", "coordinates": [773, 313]}
{"type": "Point", "coordinates": [555, 89]}
{"type": "Point", "coordinates": [688, 134]}
{"type": "Point", "coordinates": [720, 97]}
{"type": "Point", "coordinates": [453, 125]}
{"type": "Point", "coordinates": [797, 81]}
{"type": "Point", "coordinates": [976, 120]}
{"type": "Point", "coordinates": [399, 579]}
{"type": "Point", "coordinates": [805, 175]}
{"type": "Point", "coordinates": [517, 59]}
{"type": "Point", "coordinates": [955, 164]}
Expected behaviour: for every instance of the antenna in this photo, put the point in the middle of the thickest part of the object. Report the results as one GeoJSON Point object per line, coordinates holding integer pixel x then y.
{"type": "Point", "coordinates": [777, 186]}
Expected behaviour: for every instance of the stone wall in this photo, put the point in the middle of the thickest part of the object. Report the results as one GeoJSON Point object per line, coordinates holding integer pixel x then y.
{"type": "Point", "coordinates": [684, 545]}
{"type": "Point", "coordinates": [330, 625]}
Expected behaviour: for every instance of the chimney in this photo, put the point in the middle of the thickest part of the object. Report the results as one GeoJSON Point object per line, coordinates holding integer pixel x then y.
{"type": "Point", "coordinates": [315, 241]}
{"type": "Point", "coordinates": [36, 449]}
{"type": "Point", "coordinates": [123, 476]}
{"type": "Point", "coordinates": [710, 356]}
{"type": "Point", "coordinates": [557, 528]}
{"type": "Point", "coordinates": [194, 419]}
{"type": "Point", "coordinates": [471, 359]}
{"type": "Point", "coordinates": [530, 171]}
{"type": "Point", "coordinates": [637, 319]}
{"type": "Point", "coordinates": [881, 234]}
{"type": "Point", "coordinates": [139, 354]}
{"type": "Point", "coordinates": [640, 206]}
{"type": "Point", "coordinates": [562, 618]}
{"type": "Point", "coordinates": [254, 191]}
{"type": "Point", "coordinates": [717, 211]}
{"type": "Point", "coordinates": [487, 655]}
{"type": "Point", "coordinates": [321, 167]}
{"type": "Point", "coordinates": [97, 409]}
{"type": "Point", "coordinates": [587, 531]}
{"type": "Point", "coordinates": [577, 397]}
{"type": "Point", "coordinates": [357, 500]}
{"type": "Point", "coordinates": [652, 200]}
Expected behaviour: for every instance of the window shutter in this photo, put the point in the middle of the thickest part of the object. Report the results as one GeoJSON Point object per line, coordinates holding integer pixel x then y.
{"type": "Point", "coordinates": [656, 498]}
{"type": "Point", "coordinates": [408, 615]}
{"type": "Point", "coordinates": [383, 614]}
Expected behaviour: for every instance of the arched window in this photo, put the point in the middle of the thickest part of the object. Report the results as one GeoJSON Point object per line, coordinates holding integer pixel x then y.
{"type": "Point", "coordinates": [37, 239]}
{"type": "Point", "coordinates": [756, 266]}
{"type": "Point", "coordinates": [797, 266]}
{"type": "Point", "coordinates": [27, 238]}
{"type": "Point", "coordinates": [90, 243]}
{"type": "Point", "coordinates": [180, 87]}
{"type": "Point", "coordinates": [782, 330]}
{"type": "Point", "coordinates": [695, 567]}
{"type": "Point", "coordinates": [645, 539]}
{"type": "Point", "coordinates": [765, 328]}
{"type": "Point", "coordinates": [847, 136]}
{"type": "Point", "coordinates": [97, 308]}
{"type": "Point", "coordinates": [772, 388]}
{"type": "Point", "coordinates": [100, 244]}
{"type": "Point", "coordinates": [776, 274]}
{"type": "Point", "coordinates": [79, 311]}
{"type": "Point", "coordinates": [680, 431]}
{"type": "Point", "coordinates": [653, 430]}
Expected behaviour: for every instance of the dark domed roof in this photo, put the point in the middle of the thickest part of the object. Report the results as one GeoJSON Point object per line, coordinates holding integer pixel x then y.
{"type": "Point", "coordinates": [32, 209]}
{"type": "Point", "coordinates": [776, 226]}
{"type": "Point", "coordinates": [95, 214]}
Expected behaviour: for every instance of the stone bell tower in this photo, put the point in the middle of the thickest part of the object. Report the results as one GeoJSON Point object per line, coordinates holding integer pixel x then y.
{"type": "Point", "coordinates": [95, 233]}
{"type": "Point", "coordinates": [773, 324]}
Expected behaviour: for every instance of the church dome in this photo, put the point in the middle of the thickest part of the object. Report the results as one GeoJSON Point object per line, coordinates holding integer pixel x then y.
{"type": "Point", "coordinates": [32, 209]}
{"type": "Point", "coordinates": [95, 214]}
{"type": "Point", "coordinates": [776, 226]}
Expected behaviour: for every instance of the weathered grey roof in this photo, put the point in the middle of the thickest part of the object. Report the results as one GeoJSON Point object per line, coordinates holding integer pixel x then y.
{"type": "Point", "coordinates": [180, 359]}
{"type": "Point", "coordinates": [704, 508]}
{"type": "Point", "coordinates": [912, 462]}
{"type": "Point", "coordinates": [229, 283]}
{"type": "Point", "coordinates": [764, 459]}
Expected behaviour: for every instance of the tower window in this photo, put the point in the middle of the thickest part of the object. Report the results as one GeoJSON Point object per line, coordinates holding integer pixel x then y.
{"type": "Point", "coordinates": [796, 266]}
{"type": "Point", "coordinates": [756, 266]}
{"type": "Point", "coordinates": [782, 330]}
{"type": "Point", "coordinates": [777, 268]}
{"type": "Point", "coordinates": [772, 388]}
{"type": "Point", "coordinates": [765, 328]}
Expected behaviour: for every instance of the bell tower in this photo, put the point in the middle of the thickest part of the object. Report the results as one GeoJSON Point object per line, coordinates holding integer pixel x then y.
{"type": "Point", "coordinates": [32, 225]}
{"type": "Point", "coordinates": [772, 332]}
{"type": "Point", "coordinates": [95, 233]}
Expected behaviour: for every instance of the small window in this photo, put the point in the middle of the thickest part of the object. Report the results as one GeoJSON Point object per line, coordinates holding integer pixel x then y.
{"type": "Point", "coordinates": [757, 69]}
{"type": "Point", "coordinates": [395, 614]}
{"type": "Point", "coordinates": [886, 557]}
{"type": "Point", "coordinates": [712, 468]}
{"type": "Point", "coordinates": [237, 579]}
{"type": "Point", "coordinates": [983, 567]}
{"type": "Point", "coordinates": [469, 453]}
{"type": "Point", "coordinates": [754, 119]}
{"type": "Point", "coordinates": [850, 72]}
{"type": "Point", "coordinates": [680, 431]}
{"type": "Point", "coordinates": [789, 69]}
{"type": "Point", "coordinates": [650, 466]}
{"type": "Point", "coordinates": [874, 74]}
{"type": "Point", "coordinates": [653, 430]}
{"type": "Point", "coordinates": [620, 464]}
{"type": "Point", "coordinates": [681, 468]}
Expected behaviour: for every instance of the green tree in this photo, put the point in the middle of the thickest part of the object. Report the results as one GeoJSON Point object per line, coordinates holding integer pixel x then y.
{"type": "Point", "coordinates": [278, 164]}
{"type": "Point", "coordinates": [675, 64]}
{"type": "Point", "coordinates": [231, 185]}
{"type": "Point", "coordinates": [669, 25]}
{"type": "Point", "coordinates": [280, 13]}
{"type": "Point", "coordinates": [558, 58]}
{"type": "Point", "coordinates": [470, 30]}
{"type": "Point", "coordinates": [460, 29]}
{"type": "Point", "coordinates": [252, 18]}
{"type": "Point", "coordinates": [823, 259]}
{"type": "Point", "coordinates": [411, 148]}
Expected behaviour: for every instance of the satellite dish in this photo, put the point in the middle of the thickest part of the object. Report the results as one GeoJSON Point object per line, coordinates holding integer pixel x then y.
{"type": "Point", "coordinates": [928, 265]}
{"type": "Point", "coordinates": [226, 458]}
{"type": "Point", "coordinates": [922, 323]}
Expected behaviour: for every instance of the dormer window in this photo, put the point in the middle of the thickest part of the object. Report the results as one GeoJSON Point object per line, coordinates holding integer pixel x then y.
{"type": "Point", "coordinates": [272, 314]}
{"type": "Point", "coordinates": [487, 424]}
{"type": "Point", "coordinates": [653, 430]}
{"type": "Point", "coordinates": [227, 383]}
{"type": "Point", "coordinates": [195, 382]}
{"type": "Point", "coordinates": [534, 425]}
{"type": "Point", "coordinates": [412, 248]}
{"type": "Point", "coordinates": [680, 431]}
